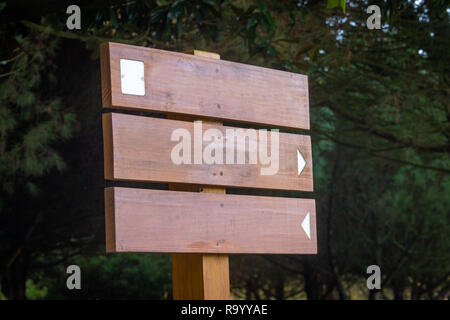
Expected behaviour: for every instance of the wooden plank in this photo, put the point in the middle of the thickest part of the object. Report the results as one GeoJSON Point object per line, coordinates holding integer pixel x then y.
{"type": "Point", "coordinates": [175, 221]}
{"type": "Point", "coordinates": [142, 147]}
{"type": "Point", "coordinates": [206, 87]}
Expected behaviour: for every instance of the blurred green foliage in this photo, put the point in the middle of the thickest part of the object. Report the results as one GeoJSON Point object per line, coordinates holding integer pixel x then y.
{"type": "Point", "coordinates": [118, 276]}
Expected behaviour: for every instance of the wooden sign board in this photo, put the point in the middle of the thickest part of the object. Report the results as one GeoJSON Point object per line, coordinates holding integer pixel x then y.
{"type": "Point", "coordinates": [173, 82]}
{"type": "Point", "coordinates": [140, 149]}
{"type": "Point", "coordinates": [174, 221]}
{"type": "Point", "coordinates": [199, 229]}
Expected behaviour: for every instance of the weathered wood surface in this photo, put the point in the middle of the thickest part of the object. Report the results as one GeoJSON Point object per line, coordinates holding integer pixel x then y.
{"type": "Point", "coordinates": [139, 149]}
{"type": "Point", "coordinates": [203, 86]}
{"type": "Point", "coordinates": [177, 221]}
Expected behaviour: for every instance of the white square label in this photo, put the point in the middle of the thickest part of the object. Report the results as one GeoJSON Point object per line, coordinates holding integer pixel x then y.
{"type": "Point", "coordinates": [132, 78]}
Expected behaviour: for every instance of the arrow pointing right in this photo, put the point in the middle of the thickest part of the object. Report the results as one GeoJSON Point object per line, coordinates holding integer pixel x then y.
{"type": "Point", "coordinates": [301, 163]}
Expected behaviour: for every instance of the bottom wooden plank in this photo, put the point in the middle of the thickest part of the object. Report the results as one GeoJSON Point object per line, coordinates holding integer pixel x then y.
{"type": "Point", "coordinates": [176, 221]}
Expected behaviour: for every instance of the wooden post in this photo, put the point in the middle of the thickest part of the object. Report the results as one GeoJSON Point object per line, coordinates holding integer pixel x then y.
{"type": "Point", "coordinates": [199, 276]}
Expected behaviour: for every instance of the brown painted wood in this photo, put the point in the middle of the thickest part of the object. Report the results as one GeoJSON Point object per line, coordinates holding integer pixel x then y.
{"type": "Point", "coordinates": [187, 88]}
{"type": "Point", "coordinates": [105, 75]}
{"type": "Point", "coordinates": [142, 146]}
{"type": "Point", "coordinates": [110, 224]}
{"type": "Point", "coordinates": [108, 153]}
{"type": "Point", "coordinates": [177, 221]}
{"type": "Point", "coordinates": [202, 86]}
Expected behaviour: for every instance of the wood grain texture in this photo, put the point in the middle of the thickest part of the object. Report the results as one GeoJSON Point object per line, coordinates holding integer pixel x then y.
{"type": "Point", "coordinates": [142, 146]}
{"type": "Point", "coordinates": [207, 87]}
{"type": "Point", "coordinates": [105, 71]}
{"type": "Point", "coordinates": [216, 276]}
{"type": "Point", "coordinates": [198, 276]}
{"type": "Point", "coordinates": [202, 53]}
{"type": "Point", "coordinates": [110, 224]}
{"type": "Point", "coordinates": [177, 221]}
{"type": "Point", "coordinates": [108, 153]}
{"type": "Point", "coordinates": [187, 276]}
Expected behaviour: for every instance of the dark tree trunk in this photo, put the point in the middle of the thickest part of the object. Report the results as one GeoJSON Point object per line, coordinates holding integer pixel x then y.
{"type": "Point", "coordinates": [398, 292]}
{"type": "Point", "coordinates": [14, 279]}
{"type": "Point", "coordinates": [279, 288]}
{"type": "Point", "coordinates": [374, 294]}
{"type": "Point", "coordinates": [312, 285]}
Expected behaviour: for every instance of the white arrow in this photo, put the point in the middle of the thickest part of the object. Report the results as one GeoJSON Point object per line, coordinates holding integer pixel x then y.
{"type": "Point", "coordinates": [306, 226]}
{"type": "Point", "coordinates": [300, 162]}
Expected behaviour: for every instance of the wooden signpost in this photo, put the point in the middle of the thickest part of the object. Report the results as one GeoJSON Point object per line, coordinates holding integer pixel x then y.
{"type": "Point", "coordinates": [195, 219]}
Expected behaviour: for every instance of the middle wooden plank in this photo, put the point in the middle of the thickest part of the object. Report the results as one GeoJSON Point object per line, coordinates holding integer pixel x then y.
{"type": "Point", "coordinates": [160, 150]}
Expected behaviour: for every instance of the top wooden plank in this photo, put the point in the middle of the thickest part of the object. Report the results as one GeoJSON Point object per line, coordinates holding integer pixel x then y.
{"type": "Point", "coordinates": [178, 83]}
